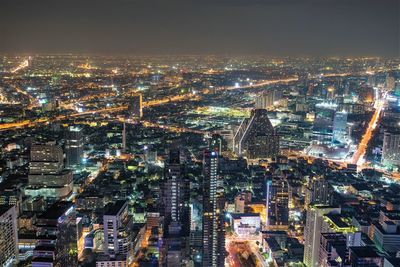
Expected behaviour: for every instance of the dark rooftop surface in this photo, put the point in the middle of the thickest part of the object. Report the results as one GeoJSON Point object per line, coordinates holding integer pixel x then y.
{"type": "Point", "coordinates": [113, 209]}
{"type": "Point", "coordinates": [56, 210]}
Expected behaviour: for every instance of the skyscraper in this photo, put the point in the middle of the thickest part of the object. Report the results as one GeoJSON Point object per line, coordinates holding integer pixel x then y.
{"type": "Point", "coordinates": [47, 176]}
{"type": "Point", "coordinates": [213, 205]}
{"type": "Point", "coordinates": [73, 146]}
{"type": "Point", "coordinates": [56, 242]}
{"type": "Point", "coordinates": [174, 197]}
{"type": "Point", "coordinates": [135, 106]}
{"type": "Point", "coordinates": [268, 99]}
{"type": "Point", "coordinates": [117, 234]}
{"type": "Point", "coordinates": [256, 137]}
{"type": "Point", "coordinates": [312, 232]}
{"type": "Point", "coordinates": [340, 127]}
{"type": "Point", "coordinates": [8, 236]}
{"type": "Point", "coordinates": [391, 148]}
{"type": "Point", "coordinates": [278, 203]}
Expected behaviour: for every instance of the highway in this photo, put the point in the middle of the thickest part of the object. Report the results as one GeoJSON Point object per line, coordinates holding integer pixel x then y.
{"type": "Point", "coordinates": [358, 157]}
{"type": "Point", "coordinates": [32, 123]}
{"type": "Point", "coordinates": [260, 84]}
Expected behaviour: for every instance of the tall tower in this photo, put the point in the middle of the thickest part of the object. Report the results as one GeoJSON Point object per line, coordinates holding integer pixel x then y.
{"type": "Point", "coordinates": [340, 127]}
{"type": "Point", "coordinates": [117, 229]}
{"type": "Point", "coordinates": [135, 106]}
{"type": "Point", "coordinates": [391, 148]}
{"type": "Point", "coordinates": [175, 209]}
{"type": "Point", "coordinates": [124, 138]}
{"type": "Point", "coordinates": [47, 176]}
{"type": "Point", "coordinates": [73, 146]}
{"type": "Point", "coordinates": [256, 137]}
{"type": "Point", "coordinates": [277, 198]}
{"type": "Point", "coordinates": [213, 205]}
{"type": "Point", "coordinates": [8, 236]}
{"type": "Point", "coordinates": [56, 241]}
{"type": "Point", "coordinates": [312, 232]}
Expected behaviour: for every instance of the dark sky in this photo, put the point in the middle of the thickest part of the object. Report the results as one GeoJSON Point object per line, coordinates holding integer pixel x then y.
{"type": "Point", "coordinates": [271, 27]}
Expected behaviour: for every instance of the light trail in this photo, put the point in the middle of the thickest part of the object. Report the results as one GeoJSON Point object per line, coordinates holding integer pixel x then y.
{"type": "Point", "coordinates": [24, 64]}
{"type": "Point", "coordinates": [358, 156]}
{"type": "Point", "coordinates": [30, 123]}
{"type": "Point", "coordinates": [260, 84]}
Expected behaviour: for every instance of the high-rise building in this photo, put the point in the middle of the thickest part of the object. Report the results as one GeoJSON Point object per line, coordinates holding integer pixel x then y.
{"type": "Point", "coordinates": [268, 99]}
{"type": "Point", "coordinates": [174, 195]}
{"type": "Point", "coordinates": [334, 248]}
{"type": "Point", "coordinates": [8, 236]}
{"type": "Point", "coordinates": [256, 137]}
{"type": "Point", "coordinates": [323, 122]}
{"type": "Point", "coordinates": [47, 176]}
{"type": "Point", "coordinates": [213, 207]}
{"type": "Point", "coordinates": [391, 148]}
{"type": "Point", "coordinates": [319, 191]}
{"type": "Point", "coordinates": [340, 127]}
{"type": "Point", "coordinates": [56, 241]}
{"type": "Point", "coordinates": [135, 106]}
{"type": "Point", "coordinates": [312, 232]}
{"type": "Point", "coordinates": [73, 146]}
{"type": "Point", "coordinates": [117, 229]}
{"type": "Point", "coordinates": [277, 201]}
{"type": "Point", "coordinates": [390, 82]}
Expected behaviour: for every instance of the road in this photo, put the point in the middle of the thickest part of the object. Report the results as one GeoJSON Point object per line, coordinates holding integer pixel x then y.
{"type": "Point", "coordinates": [358, 157]}
{"type": "Point", "coordinates": [260, 84]}
{"type": "Point", "coordinates": [32, 123]}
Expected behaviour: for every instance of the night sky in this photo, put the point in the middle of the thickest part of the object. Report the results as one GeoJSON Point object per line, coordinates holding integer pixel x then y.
{"type": "Point", "coordinates": [237, 27]}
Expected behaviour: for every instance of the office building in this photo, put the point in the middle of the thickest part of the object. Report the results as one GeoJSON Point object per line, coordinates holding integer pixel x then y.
{"type": "Point", "coordinates": [268, 99]}
{"type": "Point", "coordinates": [340, 127]}
{"type": "Point", "coordinates": [319, 191]}
{"type": "Point", "coordinates": [117, 229]}
{"type": "Point", "coordinates": [391, 148]}
{"type": "Point", "coordinates": [277, 203]}
{"type": "Point", "coordinates": [213, 208]}
{"type": "Point", "coordinates": [57, 236]}
{"type": "Point", "coordinates": [312, 232]}
{"type": "Point", "coordinates": [174, 196]}
{"type": "Point", "coordinates": [47, 176]}
{"type": "Point", "coordinates": [8, 236]}
{"type": "Point", "coordinates": [135, 108]}
{"type": "Point", "coordinates": [386, 236]}
{"type": "Point", "coordinates": [334, 248]}
{"type": "Point", "coordinates": [73, 146]}
{"type": "Point", "coordinates": [256, 137]}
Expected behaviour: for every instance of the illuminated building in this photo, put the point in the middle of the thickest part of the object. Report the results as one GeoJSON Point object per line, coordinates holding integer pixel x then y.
{"type": "Point", "coordinates": [391, 148]}
{"type": "Point", "coordinates": [386, 236]}
{"type": "Point", "coordinates": [135, 108]}
{"type": "Point", "coordinates": [323, 123]}
{"type": "Point", "coordinates": [117, 229]}
{"type": "Point", "coordinates": [174, 196]}
{"type": "Point", "coordinates": [318, 192]}
{"type": "Point", "coordinates": [340, 127]}
{"type": "Point", "coordinates": [56, 241]}
{"type": "Point", "coordinates": [213, 205]}
{"type": "Point", "coordinates": [268, 99]}
{"type": "Point", "coordinates": [390, 82]}
{"type": "Point", "coordinates": [335, 248]}
{"type": "Point", "coordinates": [312, 232]}
{"type": "Point", "coordinates": [8, 236]}
{"type": "Point", "coordinates": [47, 176]}
{"type": "Point", "coordinates": [277, 201]}
{"type": "Point", "coordinates": [245, 224]}
{"type": "Point", "coordinates": [73, 146]}
{"type": "Point", "coordinates": [256, 137]}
